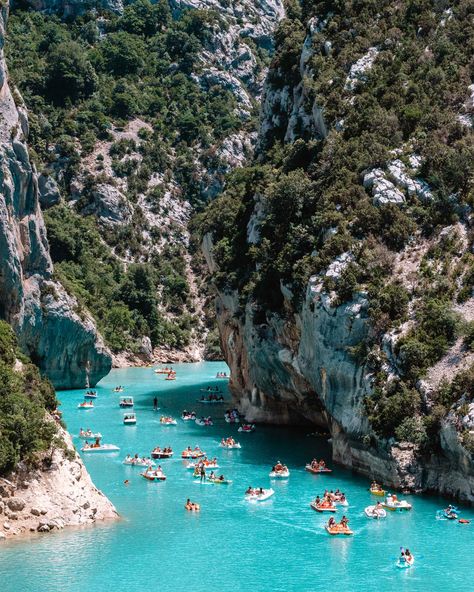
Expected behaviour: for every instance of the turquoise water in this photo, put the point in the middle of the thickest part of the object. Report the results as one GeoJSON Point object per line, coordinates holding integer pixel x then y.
{"type": "Point", "coordinates": [279, 545]}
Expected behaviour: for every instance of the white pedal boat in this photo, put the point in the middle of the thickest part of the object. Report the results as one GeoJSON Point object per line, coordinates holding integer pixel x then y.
{"type": "Point", "coordinates": [279, 474]}
{"type": "Point", "coordinates": [204, 423]}
{"type": "Point", "coordinates": [254, 497]}
{"type": "Point", "coordinates": [374, 512]}
{"type": "Point", "coordinates": [234, 446]}
{"type": "Point", "coordinates": [208, 467]}
{"type": "Point", "coordinates": [138, 462]}
{"type": "Point", "coordinates": [90, 436]}
{"type": "Point", "coordinates": [168, 422]}
{"type": "Point", "coordinates": [101, 448]}
{"type": "Point", "coordinates": [247, 428]}
{"type": "Point", "coordinates": [91, 395]}
{"type": "Point", "coordinates": [129, 419]}
{"type": "Point", "coordinates": [154, 476]}
{"type": "Point", "coordinates": [86, 405]}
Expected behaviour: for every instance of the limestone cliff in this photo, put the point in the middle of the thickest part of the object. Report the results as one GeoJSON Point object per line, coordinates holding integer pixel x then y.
{"type": "Point", "coordinates": [50, 327]}
{"type": "Point", "coordinates": [56, 494]}
{"type": "Point", "coordinates": [303, 361]}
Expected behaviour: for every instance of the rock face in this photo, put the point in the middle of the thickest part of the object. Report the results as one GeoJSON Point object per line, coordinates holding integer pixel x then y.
{"type": "Point", "coordinates": [301, 364]}
{"type": "Point", "coordinates": [50, 327]}
{"type": "Point", "coordinates": [57, 495]}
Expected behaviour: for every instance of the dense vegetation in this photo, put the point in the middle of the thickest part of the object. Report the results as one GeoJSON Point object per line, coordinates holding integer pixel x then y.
{"type": "Point", "coordinates": [83, 80]}
{"type": "Point", "coordinates": [24, 399]}
{"type": "Point", "coordinates": [312, 201]}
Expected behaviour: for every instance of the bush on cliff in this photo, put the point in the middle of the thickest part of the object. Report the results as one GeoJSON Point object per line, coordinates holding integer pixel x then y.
{"type": "Point", "coordinates": [24, 400]}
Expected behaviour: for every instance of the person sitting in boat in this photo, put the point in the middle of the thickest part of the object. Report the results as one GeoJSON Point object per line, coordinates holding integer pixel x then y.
{"type": "Point", "coordinates": [249, 491]}
{"type": "Point", "coordinates": [221, 478]}
{"type": "Point", "coordinates": [212, 476]}
{"type": "Point", "coordinates": [409, 556]}
{"type": "Point", "coordinates": [260, 491]}
{"type": "Point", "coordinates": [331, 522]}
{"type": "Point", "coordinates": [128, 458]}
{"type": "Point", "coordinates": [317, 501]}
{"type": "Point", "coordinates": [375, 486]}
{"type": "Point", "coordinates": [278, 467]}
{"type": "Point", "coordinates": [344, 522]}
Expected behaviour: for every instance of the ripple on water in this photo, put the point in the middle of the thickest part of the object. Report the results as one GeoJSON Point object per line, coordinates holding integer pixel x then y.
{"type": "Point", "coordinates": [232, 545]}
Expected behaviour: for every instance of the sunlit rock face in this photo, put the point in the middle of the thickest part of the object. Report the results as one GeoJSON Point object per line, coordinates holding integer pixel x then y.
{"type": "Point", "coordinates": [50, 327]}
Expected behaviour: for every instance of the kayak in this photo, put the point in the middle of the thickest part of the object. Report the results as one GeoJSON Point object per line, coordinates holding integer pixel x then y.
{"type": "Point", "coordinates": [406, 563]}
{"type": "Point", "coordinates": [90, 436]}
{"type": "Point", "coordinates": [380, 492]}
{"type": "Point", "coordinates": [321, 508]}
{"type": "Point", "coordinates": [279, 474]}
{"type": "Point", "coordinates": [140, 462]}
{"type": "Point", "coordinates": [253, 497]}
{"type": "Point", "coordinates": [317, 471]}
{"type": "Point", "coordinates": [372, 512]}
{"type": "Point", "coordinates": [154, 476]}
{"type": "Point", "coordinates": [161, 454]}
{"type": "Point", "coordinates": [101, 448]}
{"type": "Point", "coordinates": [338, 529]}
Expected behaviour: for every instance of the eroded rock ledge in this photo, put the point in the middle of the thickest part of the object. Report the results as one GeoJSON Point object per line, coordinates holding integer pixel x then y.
{"type": "Point", "coordinates": [58, 494]}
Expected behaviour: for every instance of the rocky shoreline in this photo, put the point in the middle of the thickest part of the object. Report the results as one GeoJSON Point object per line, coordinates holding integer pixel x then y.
{"type": "Point", "coordinates": [59, 493]}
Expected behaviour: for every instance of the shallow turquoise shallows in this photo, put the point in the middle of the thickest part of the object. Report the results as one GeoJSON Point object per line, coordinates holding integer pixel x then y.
{"type": "Point", "coordinates": [232, 545]}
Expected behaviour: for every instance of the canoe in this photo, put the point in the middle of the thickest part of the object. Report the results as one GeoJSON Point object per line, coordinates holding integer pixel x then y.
{"type": "Point", "coordinates": [279, 474]}
{"type": "Point", "coordinates": [101, 448]}
{"type": "Point", "coordinates": [90, 436]}
{"type": "Point", "coordinates": [161, 454]}
{"type": "Point", "coordinates": [371, 512]}
{"type": "Point", "coordinates": [252, 497]}
{"type": "Point", "coordinates": [320, 508]}
{"type": "Point", "coordinates": [338, 529]}
{"type": "Point", "coordinates": [153, 476]}
{"type": "Point", "coordinates": [310, 469]}
{"type": "Point", "coordinates": [379, 492]}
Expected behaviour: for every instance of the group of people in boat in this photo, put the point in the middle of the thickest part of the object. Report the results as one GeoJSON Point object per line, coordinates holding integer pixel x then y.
{"type": "Point", "coordinates": [95, 444]}
{"type": "Point", "coordinates": [126, 402]}
{"type": "Point", "coordinates": [135, 460]}
{"type": "Point", "coordinates": [228, 442]}
{"type": "Point", "coordinates": [192, 452]}
{"type": "Point", "coordinates": [91, 394]}
{"type": "Point", "coordinates": [222, 375]}
{"type": "Point", "coordinates": [166, 450]}
{"type": "Point", "coordinates": [279, 468]}
{"type": "Point", "coordinates": [207, 421]}
{"type": "Point", "coordinates": [86, 433]}
{"type": "Point", "coordinates": [188, 415]}
{"type": "Point", "coordinates": [212, 398]}
{"type": "Point", "coordinates": [317, 465]}
{"type": "Point", "coordinates": [406, 557]}
{"type": "Point", "coordinates": [254, 491]}
{"type": "Point", "coordinates": [166, 419]}
{"type": "Point", "coordinates": [232, 415]}
{"type": "Point", "coordinates": [330, 498]}
{"type": "Point", "coordinates": [343, 524]}
{"type": "Point", "coordinates": [118, 389]}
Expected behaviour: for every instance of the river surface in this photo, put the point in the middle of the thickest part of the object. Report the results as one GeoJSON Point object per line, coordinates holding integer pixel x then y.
{"type": "Point", "coordinates": [232, 545]}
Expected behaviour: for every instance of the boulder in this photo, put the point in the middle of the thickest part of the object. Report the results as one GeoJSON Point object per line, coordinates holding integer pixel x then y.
{"type": "Point", "coordinates": [49, 194]}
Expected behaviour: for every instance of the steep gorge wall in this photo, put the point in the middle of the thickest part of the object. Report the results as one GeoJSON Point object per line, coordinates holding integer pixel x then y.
{"type": "Point", "coordinates": [300, 365]}
{"type": "Point", "coordinates": [62, 341]}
